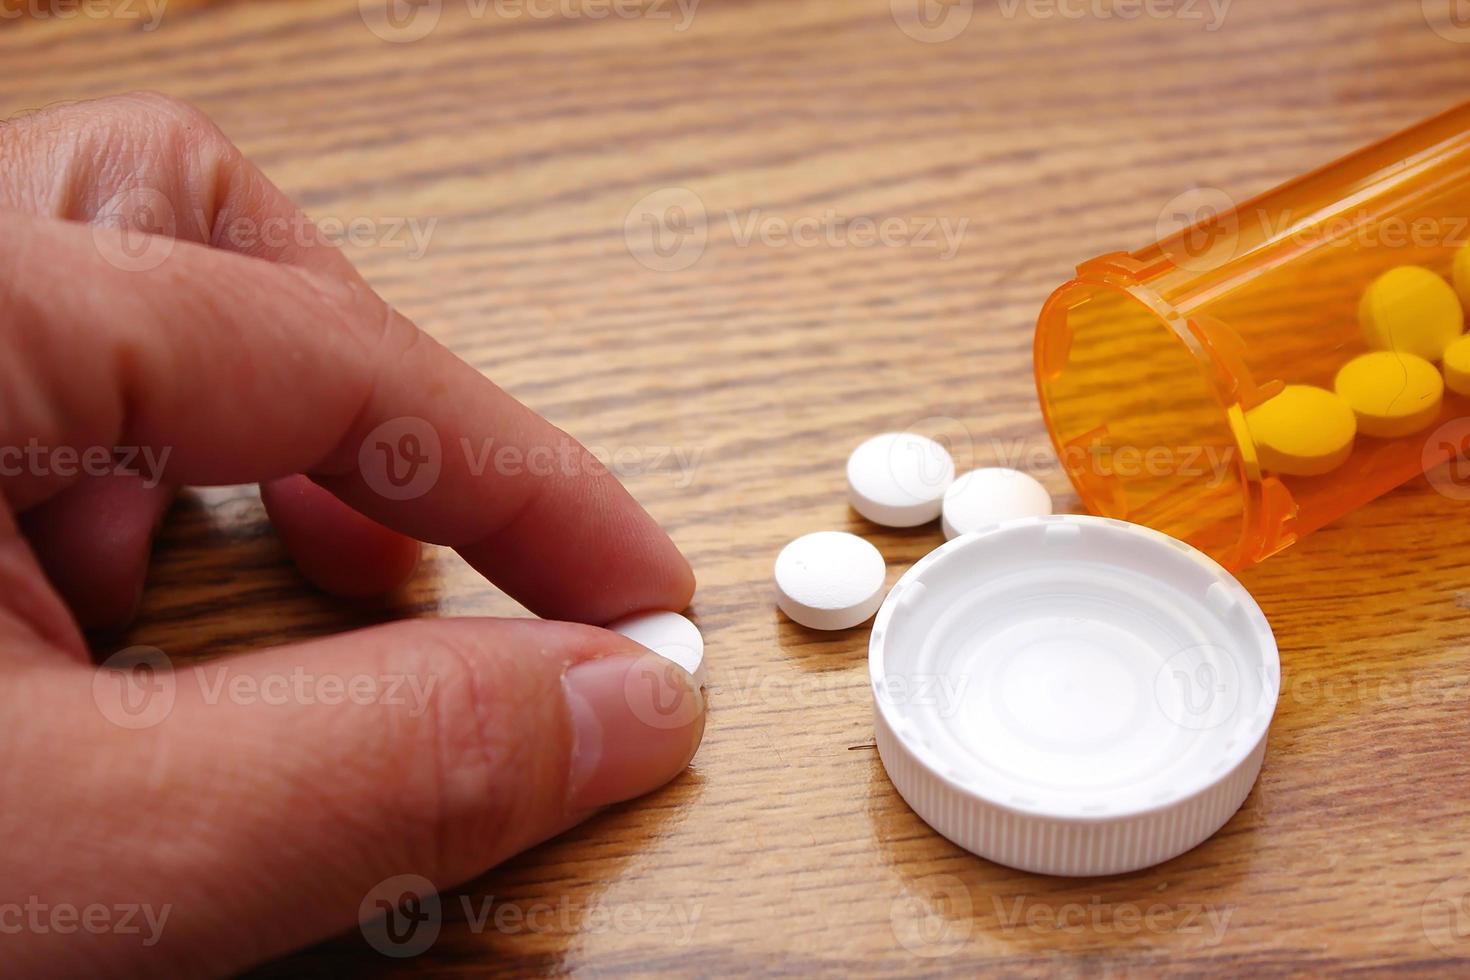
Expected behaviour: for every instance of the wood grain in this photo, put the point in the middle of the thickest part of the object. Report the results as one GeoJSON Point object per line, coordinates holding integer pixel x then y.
{"type": "Point", "coordinates": [530, 140]}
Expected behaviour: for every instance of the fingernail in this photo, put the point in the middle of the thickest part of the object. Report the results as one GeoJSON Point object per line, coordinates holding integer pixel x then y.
{"type": "Point", "coordinates": [636, 721]}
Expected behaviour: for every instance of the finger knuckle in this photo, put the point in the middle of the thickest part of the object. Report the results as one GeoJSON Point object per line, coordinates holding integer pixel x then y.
{"type": "Point", "coordinates": [123, 121]}
{"type": "Point", "coordinates": [161, 110]}
{"type": "Point", "coordinates": [373, 335]}
{"type": "Point", "coordinates": [116, 145]}
{"type": "Point", "coordinates": [485, 740]}
{"type": "Point", "coordinates": [165, 128]}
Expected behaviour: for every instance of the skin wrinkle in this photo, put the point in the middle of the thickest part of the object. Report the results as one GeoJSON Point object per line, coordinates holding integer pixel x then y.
{"type": "Point", "coordinates": [427, 804]}
{"type": "Point", "coordinates": [396, 339]}
{"type": "Point", "coordinates": [478, 788]}
{"type": "Point", "coordinates": [30, 611]}
{"type": "Point", "coordinates": [443, 848]}
{"type": "Point", "coordinates": [506, 525]}
{"type": "Point", "coordinates": [196, 149]}
{"type": "Point", "coordinates": [18, 182]}
{"type": "Point", "coordinates": [93, 152]}
{"type": "Point", "coordinates": [17, 386]}
{"type": "Point", "coordinates": [217, 183]}
{"type": "Point", "coordinates": [47, 412]}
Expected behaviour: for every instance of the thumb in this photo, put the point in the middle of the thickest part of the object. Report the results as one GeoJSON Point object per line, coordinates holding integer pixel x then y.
{"type": "Point", "coordinates": [310, 774]}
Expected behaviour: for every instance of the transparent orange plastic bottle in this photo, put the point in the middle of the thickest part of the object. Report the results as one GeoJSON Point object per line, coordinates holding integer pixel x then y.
{"type": "Point", "coordinates": [1146, 363]}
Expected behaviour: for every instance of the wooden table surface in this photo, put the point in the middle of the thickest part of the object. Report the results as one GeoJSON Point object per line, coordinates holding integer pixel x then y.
{"type": "Point", "coordinates": [730, 371]}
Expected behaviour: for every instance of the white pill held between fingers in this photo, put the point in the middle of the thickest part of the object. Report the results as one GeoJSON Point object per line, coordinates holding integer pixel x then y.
{"type": "Point", "coordinates": [898, 479]}
{"type": "Point", "coordinates": [982, 498]}
{"type": "Point", "coordinates": [830, 580]}
{"type": "Point", "coordinates": [669, 635]}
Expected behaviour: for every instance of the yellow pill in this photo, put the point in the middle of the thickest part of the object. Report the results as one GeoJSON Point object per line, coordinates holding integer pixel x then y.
{"type": "Point", "coordinates": [1413, 310]}
{"type": "Point", "coordinates": [1391, 392]}
{"type": "Point", "coordinates": [1304, 431]}
{"type": "Point", "coordinates": [1462, 274]}
{"type": "Point", "coordinates": [1457, 366]}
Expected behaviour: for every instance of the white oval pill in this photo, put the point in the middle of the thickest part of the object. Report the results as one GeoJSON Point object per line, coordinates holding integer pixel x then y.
{"type": "Point", "coordinates": [982, 498]}
{"type": "Point", "coordinates": [898, 479]}
{"type": "Point", "coordinates": [830, 580]}
{"type": "Point", "coordinates": [669, 635]}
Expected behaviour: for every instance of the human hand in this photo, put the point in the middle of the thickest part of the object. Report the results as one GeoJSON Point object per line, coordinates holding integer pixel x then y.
{"type": "Point", "coordinates": [134, 315]}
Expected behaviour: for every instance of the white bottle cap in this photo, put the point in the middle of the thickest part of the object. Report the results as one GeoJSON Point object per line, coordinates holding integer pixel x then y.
{"type": "Point", "coordinates": [830, 580]}
{"type": "Point", "coordinates": [898, 479]}
{"type": "Point", "coordinates": [1072, 695]}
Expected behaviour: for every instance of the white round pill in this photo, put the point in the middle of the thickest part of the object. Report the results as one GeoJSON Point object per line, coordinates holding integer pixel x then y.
{"type": "Point", "coordinates": [982, 498]}
{"type": "Point", "coordinates": [669, 635]}
{"type": "Point", "coordinates": [898, 479]}
{"type": "Point", "coordinates": [830, 580]}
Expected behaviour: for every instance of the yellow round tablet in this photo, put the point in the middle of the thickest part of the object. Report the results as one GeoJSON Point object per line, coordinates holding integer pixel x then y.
{"type": "Point", "coordinates": [1462, 274]}
{"type": "Point", "coordinates": [1392, 393]}
{"type": "Point", "coordinates": [1304, 431]}
{"type": "Point", "coordinates": [1413, 310]}
{"type": "Point", "coordinates": [1457, 366]}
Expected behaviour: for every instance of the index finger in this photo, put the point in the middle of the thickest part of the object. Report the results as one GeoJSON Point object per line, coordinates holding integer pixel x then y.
{"type": "Point", "coordinates": [237, 370]}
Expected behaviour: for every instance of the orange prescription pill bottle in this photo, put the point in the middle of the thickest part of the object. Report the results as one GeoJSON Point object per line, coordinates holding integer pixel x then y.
{"type": "Point", "coordinates": [1149, 363]}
